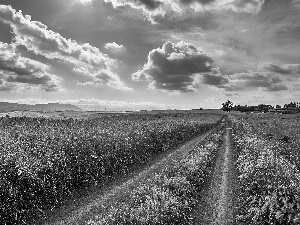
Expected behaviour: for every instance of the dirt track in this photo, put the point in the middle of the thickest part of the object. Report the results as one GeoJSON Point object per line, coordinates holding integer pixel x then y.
{"type": "Point", "coordinates": [217, 199]}
{"type": "Point", "coordinates": [74, 211]}
{"type": "Point", "coordinates": [216, 203]}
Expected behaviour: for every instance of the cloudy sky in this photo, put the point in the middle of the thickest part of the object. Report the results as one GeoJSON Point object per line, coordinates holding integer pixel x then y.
{"type": "Point", "coordinates": [150, 54]}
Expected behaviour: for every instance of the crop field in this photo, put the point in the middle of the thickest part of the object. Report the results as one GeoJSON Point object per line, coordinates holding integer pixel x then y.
{"type": "Point", "coordinates": [166, 196]}
{"type": "Point", "coordinates": [168, 168]}
{"type": "Point", "coordinates": [268, 163]}
{"type": "Point", "coordinates": [43, 160]}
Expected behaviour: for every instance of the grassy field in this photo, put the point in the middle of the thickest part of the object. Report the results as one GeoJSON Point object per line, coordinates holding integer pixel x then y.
{"type": "Point", "coordinates": [43, 160]}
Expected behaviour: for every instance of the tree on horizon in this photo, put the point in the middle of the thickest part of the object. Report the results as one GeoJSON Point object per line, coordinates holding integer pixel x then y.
{"type": "Point", "coordinates": [227, 106]}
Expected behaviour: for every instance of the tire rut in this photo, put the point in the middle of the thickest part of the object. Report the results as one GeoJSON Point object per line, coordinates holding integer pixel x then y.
{"type": "Point", "coordinates": [217, 200]}
{"type": "Point", "coordinates": [74, 211]}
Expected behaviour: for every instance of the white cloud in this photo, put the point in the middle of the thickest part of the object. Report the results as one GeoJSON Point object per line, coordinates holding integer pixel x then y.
{"type": "Point", "coordinates": [115, 48]}
{"type": "Point", "coordinates": [37, 38]}
{"type": "Point", "coordinates": [17, 71]}
{"type": "Point", "coordinates": [103, 77]}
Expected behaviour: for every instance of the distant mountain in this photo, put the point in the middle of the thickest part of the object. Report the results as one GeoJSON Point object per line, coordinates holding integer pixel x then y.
{"type": "Point", "coordinates": [7, 106]}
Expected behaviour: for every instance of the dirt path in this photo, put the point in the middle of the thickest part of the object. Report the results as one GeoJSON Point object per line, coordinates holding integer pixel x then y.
{"type": "Point", "coordinates": [217, 199]}
{"type": "Point", "coordinates": [81, 205]}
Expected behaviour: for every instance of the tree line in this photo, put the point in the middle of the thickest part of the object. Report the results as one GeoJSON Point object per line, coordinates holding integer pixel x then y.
{"type": "Point", "coordinates": [228, 106]}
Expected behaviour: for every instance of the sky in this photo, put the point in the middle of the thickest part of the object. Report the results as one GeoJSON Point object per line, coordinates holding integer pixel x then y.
{"type": "Point", "coordinates": [150, 54]}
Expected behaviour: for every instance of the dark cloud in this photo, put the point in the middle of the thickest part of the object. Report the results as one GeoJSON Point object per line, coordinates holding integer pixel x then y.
{"type": "Point", "coordinates": [277, 87]}
{"type": "Point", "coordinates": [254, 80]}
{"type": "Point", "coordinates": [244, 3]}
{"type": "Point", "coordinates": [17, 69]}
{"type": "Point", "coordinates": [29, 79]}
{"type": "Point", "coordinates": [8, 66]}
{"type": "Point", "coordinates": [214, 79]}
{"type": "Point", "coordinates": [6, 87]}
{"type": "Point", "coordinates": [203, 2]}
{"type": "Point", "coordinates": [173, 67]}
{"type": "Point", "coordinates": [149, 4]}
{"type": "Point", "coordinates": [12, 62]}
{"type": "Point", "coordinates": [103, 78]}
{"type": "Point", "coordinates": [5, 35]}
{"type": "Point", "coordinates": [283, 69]}
{"type": "Point", "coordinates": [278, 69]}
{"type": "Point", "coordinates": [43, 81]}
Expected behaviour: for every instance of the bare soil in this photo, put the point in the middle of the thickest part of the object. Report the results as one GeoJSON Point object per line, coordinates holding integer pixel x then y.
{"type": "Point", "coordinates": [217, 200]}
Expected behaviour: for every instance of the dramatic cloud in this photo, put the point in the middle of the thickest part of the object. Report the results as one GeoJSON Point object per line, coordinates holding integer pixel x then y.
{"type": "Point", "coordinates": [115, 49]}
{"type": "Point", "coordinates": [37, 38]}
{"type": "Point", "coordinates": [17, 69]}
{"type": "Point", "coordinates": [174, 67]}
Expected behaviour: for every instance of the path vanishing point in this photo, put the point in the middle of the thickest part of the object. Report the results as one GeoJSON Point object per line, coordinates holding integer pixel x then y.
{"type": "Point", "coordinates": [217, 198]}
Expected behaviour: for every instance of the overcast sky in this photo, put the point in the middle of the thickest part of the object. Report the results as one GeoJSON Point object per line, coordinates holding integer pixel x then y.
{"type": "Point", "coordinates": [150, 54]}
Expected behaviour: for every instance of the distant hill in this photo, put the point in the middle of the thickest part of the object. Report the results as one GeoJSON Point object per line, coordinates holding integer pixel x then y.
{"type": "Point", "coordinates": [7, 106]}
